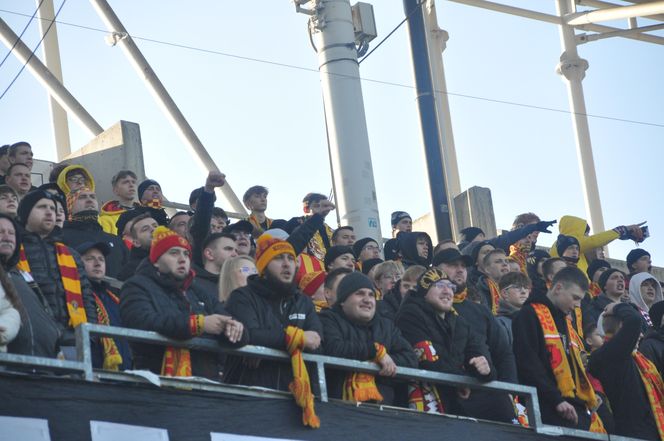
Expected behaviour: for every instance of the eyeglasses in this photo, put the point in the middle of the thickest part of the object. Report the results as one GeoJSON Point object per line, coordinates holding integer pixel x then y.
{"type": "Point", "coordinates": [78, 179]}
{"type": "Point", "coordinates": [445, 284]}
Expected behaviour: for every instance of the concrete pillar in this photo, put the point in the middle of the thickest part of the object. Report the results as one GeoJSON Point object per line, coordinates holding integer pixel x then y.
{"type": "Point", "coordinates": [474, 208]}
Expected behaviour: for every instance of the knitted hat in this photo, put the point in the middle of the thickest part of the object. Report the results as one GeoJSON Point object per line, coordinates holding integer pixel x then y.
{"type": "Point", "coordinates": [72, 197]}
{"type": "Point", "coordinates": [163, 239]}
{"type": "Point", "coordinates": [357, 246]}
{"type": "Point", "coordinates": [267, 248]}
{"type": "Point", "coordinates": [635, 255]}
{"type": "Point", "coordinates": [563, 242]}
{"type": "Point", "coordinates": [605, 277]}
{"type": "Point", "coordinates": [368, 264]}
{"type": "Point", "coordinates": [128, 216]}
{"type": "Point", "coordinates": [397, 216]}
{"type": "Point", "coordinates": [311, 282]}
{"type": "Point", "coordinates": [336, 251]}
{"type": "Point", "coordinates": [144, 186]}
{"type": "Point", "coordinates": [351, 283]}
{"type": "Point", "coordinates": [470, 233]}
{"type": "Point", "coordinates": [656, 313]}
{"type": "Point", "coordinates": [596, 265]}
{"type": "Point", "coordinates": [306, 264]}
{"type": "Point", "coordinates": [28, 202]}
{"type": "Point", "coordinates": [451, 255]}
{"type": "Point", "coordinates": [428, 278]}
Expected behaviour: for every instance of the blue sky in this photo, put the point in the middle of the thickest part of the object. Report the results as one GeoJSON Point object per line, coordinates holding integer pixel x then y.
{"type": "Point", "coordinates": [263, 123]}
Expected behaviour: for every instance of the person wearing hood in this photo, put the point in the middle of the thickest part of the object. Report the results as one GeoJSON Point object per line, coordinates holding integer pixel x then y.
{"type": "Point", "coordinates": [392, 300]}
{"type": "Point", "coordinates": [535, 270]}
{"type": "Point", "coordinates": [74, 177]}
{"type": "Point", "coordinates": [124, 188]}
{"type": "Point", "coordinates": [353, 330]}
{"type": "Point", "coordinates": [568, 249]}
{"type": "Point", "coordinates": [83, 226]}
{"type": "Point", "coordinates": [112, 353]}
{"type": "Point", "coordinates": [632, 383]}
{"type": "Point", "coordinates": [612, 284]}
{"type": "Point", "coordinates": [579, 229]}
{"type": "Point", "coordinates": [415, 248]}
{"type": "Point", "coordinates": [493, 267]}
{"type": "Point", "coordinates": [514, 291]}
{"type": "Point", "coordinates": [444, 342]}
{"type": "Point", "coordinates": [548, 354]}
{"type": "Point", "coordinates": [159, 298]}
{"type": "Point", "coordinates": [652, 345]}
{"type": "Point", "coordinates": [645, 291]}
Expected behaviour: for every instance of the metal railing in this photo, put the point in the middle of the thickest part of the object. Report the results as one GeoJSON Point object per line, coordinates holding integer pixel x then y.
{"type": "Point", "coordinates": [84, 368]}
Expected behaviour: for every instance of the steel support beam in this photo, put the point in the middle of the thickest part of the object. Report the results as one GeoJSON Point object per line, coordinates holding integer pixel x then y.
{"type": "Point", "coordinates": [587, 38]}
{"type": "Point", "coordinates": [54, 87]}
{"type": "Point", "coordinates": [163, 98]}
{"type": "Point", "coordinates": [617, 13]}
{"type": "Point", "coordinates": [51, 51]}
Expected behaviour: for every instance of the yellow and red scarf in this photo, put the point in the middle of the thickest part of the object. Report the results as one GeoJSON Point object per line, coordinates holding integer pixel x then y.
{"type": "Point", "coordinates": [112, 357]}
{"type": "Point", "coordinates": [319, 305]}
{"type": "Point", "coordinates": [253, 220]}
{"type": "Point", "coordinates": [495, 295]}
{"type": "Point", "coordinates": [519, 252]}
{"type": "Point", "coordinates": [423, 396]}
{"type": "Point", "coordinates": [361, 386]}
{"type": "Point", "coordinates": [594, 290]}
{"type": "Point", "coordinates": [460, 297]}
{"type": "Point", "coordinates": [652, 381]}
{"type": "Point", "coordinates": [70, 281]}
{"type": "Point", "coordinates": [177, 361]}
{"type": "Point", "coordinates": [571, 378]}
{"type": "Point", "coordinates": [300, 387]}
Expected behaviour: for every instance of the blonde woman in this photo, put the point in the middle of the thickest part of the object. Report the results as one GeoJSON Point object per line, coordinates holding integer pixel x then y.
{"type": "Point", "coordinates": [234, 274]}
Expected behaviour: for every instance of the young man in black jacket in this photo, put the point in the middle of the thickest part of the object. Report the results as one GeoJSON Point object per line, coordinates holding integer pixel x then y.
{"type": "Point", "coordinates": [353, 330]}
{"type": "Point", "coordinates": [142, 225]}
{"type": "Point", "coordinates": [159, 298]}
{"type": "Point", "coordinates": [652, 345]}
{"type": "Point", "coordinates": [444, 342]}
{"type": "Point", "coordinates": [271, 309]}
{"type": "Point", "coordinates": [631, 381]}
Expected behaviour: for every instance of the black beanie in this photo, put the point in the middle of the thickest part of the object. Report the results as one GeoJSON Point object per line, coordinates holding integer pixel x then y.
{"type": "Point", "coordinates": [351, 283]}
{"type": "Point", "coordinates": [563, 242]}
{"type": "Point", "coordinates": [605, 277]}
{"type": "Point", "coordinates": [596, 265]}
{"type": "Point", "coordinates": [28, 202]}
{"type": "Point", "coordinates": [334, 252]}
{"type": "Point", "coordinates": [397, 216]}
{"type": "Point", "coordinates": [366, 266]}
{"type": "Point", "coordinates": [635, 255]}
{"type": "Point", "coordinates": [656, 313]}
{"type": "Point", "coordinates": [144, 186]}
{"type": "Point", "coordinates": [470, 233]}
{"type": "Point", "coordinates": [357, 246]}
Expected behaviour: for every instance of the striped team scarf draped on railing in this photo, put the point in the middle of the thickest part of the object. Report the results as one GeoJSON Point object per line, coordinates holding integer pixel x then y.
{"type": "Point", "coordinates": [112, 357]}
{"type": "Point", "coordinates": [70, 281]}
{"type": "Point", "coordinates": [424, 396]}
{"type": "Point", "coordinates": [300, 387]}
{"type": "Point", "coordinates": [654, 386]}
{"type": "Point", "coordinates": [361, 386]}
{"type": "Point", "coordinates": [571, 378]}
{"type": "Point", "coordinates": [177, 361]}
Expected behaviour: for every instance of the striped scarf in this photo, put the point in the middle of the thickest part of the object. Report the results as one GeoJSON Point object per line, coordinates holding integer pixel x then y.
{"type": "Point", "coordinates": [300, 387]}
{"type": "Point", "coordinates": [495, 295]}
{"type": "Point", "coordinates": [519, 252]}
{"type": "Point", "coordinates": [361, 386]}
{"type": "Point", "coordinates": [652, 381]}
{"type": "Point", "coordinates": [571, 377]}
{"type": "Point", "coordinates": [460, 297]}
{"type": "Point", "coordinates": [112, 357]}
{"type": "Point", "coordinates": [423, 396]}
{"type": "Point", "coordinates": [70, 281]}
{"type": "Point", "coordinates": [253, 220]}
{"type": "Point", "coordinates": [177, 361]}
{"type": "Point", "coordinates": [319, 305]}
{"type": "Point", "coordinates": [594, 290]}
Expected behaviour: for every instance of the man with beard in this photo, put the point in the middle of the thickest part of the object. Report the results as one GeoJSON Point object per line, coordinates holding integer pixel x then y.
{"type": "Point", "coordinates": [354, 331]}
{"type": "Point", "coordinates": [83, 226]}
{"type": "Point", "coordinates": [454, 264]}
{"type": "Point", "coordinates": [277, 316]}
{"type": "Point", "coordinates": [493, 266]}
{"type": "Point", "coordinates": [159, 298]}
{"type": "Point", "coordinates": [55, 267]}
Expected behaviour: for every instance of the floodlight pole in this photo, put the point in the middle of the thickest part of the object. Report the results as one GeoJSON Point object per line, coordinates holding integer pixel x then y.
{"type": "Point", "coordinates": [573, 69]}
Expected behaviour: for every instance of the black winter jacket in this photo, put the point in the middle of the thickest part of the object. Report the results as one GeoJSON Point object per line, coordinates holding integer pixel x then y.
{"type": "Point", "coordinates": [44, 268]}
{"type": "Point", "coordinates": [391, 302]}
{"type": "Point", "coordinates": [206, 281]}
{"type": "Point", "coordinates": [75, 233]}
{"type": "Point", "coordinates": [614, 366]}
{"type": "Point", "coordinates": [407, 243]}
{"type": "Point", "coordinates": [265, 313]}
{"type": "Point", "coordinates": [153, 302]}
{"type": "Point", "coordinates": [346, 339]}
{"type": "Point", "coordinates": [136, 256]}
{"type": "Point", "coordinates": [652, 346]}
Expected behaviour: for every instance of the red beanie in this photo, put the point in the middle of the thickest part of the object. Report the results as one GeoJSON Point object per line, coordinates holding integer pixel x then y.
{"type": "Point", "coordinates": [163, 239]}
{"type": "Point", "coordinates": [311, 282]}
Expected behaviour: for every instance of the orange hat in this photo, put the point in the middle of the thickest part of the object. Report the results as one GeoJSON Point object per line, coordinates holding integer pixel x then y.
{"type": "Point", "coordinates": [163, 239]}
{"type": "Point", "coordinates": [311, 282]}
{"type": "Point", "coordinates": [269, 247]}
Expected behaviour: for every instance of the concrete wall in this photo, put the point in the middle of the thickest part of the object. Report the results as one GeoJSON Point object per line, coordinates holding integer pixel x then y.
{"type": "Point", "coordinates": [474, 208]}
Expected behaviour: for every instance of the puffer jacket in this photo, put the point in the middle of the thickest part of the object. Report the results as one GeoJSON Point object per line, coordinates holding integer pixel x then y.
{"type": "Point", "coordinates": [44, 268]}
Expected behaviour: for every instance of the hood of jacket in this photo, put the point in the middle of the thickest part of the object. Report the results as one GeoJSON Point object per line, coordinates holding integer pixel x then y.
{"type": "Point", "coordinates": [635, 290]}
{"type": "Point", "coordinates": [408, 246]}
{"type": "Point", "coordinates": [62, 178]}
{"type": "Point", "coordinates": [114, 208]}
{"type": "Point", "coordinates": [569, 226]}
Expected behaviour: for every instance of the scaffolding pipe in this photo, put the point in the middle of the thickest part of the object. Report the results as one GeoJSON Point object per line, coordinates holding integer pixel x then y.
{"type": "Point", "coordinates": [573, 69]}
{"type": "Point", "coordinates": [163, 98]}
{"type": "Point", "coordinates": [616, 13]}
{"type": "Point", "coordinates": [54, 87]}
{"type": "Point", "coordinates": [51, 52]}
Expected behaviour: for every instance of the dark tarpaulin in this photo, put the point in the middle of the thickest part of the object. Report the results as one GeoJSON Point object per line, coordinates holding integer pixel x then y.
{"type": "Point", "coordinates": [69, 405]}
